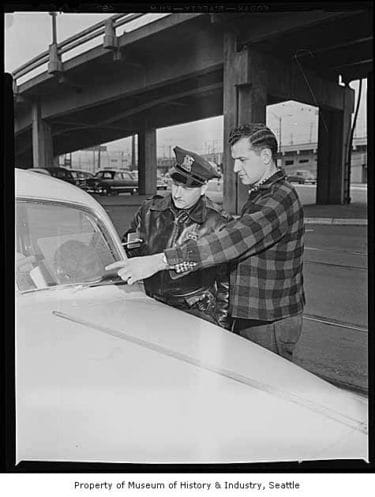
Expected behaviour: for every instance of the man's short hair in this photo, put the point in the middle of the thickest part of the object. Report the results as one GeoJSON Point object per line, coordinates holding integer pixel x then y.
{"type": "Point", "coordinates": [259, 135]}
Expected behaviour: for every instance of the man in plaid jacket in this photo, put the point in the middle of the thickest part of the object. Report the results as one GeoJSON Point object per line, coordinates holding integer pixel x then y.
{"type": "Point", "coordinates": [265, 246]}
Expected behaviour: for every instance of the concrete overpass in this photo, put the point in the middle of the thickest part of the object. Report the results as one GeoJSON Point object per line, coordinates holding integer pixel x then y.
{"type": "Point", "coordinates": [186, 67]}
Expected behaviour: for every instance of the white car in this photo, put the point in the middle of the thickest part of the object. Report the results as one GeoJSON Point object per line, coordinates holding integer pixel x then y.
{"type": "Point", "coordinates": [106, 374]}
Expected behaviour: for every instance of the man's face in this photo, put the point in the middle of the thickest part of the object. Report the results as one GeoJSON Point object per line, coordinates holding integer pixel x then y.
{"type": "Point", "coordinates": [249, 164]}
{"type": "Point", "coordinates": [184, 196]}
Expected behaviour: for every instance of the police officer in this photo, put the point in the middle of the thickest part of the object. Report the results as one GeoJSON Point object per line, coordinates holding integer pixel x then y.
{"type": "Point", "coordinates": [165, 222]}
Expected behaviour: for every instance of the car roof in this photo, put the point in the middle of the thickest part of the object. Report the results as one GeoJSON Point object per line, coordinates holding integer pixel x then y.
{"type": "Point", "coordinates": [51, 168]}
{"type": "Point", "coordinates": [41, 186]}
{"type": "Point", "coordinates": [112, 171]}
{"type": "Point", "coordinates": [38, 169]}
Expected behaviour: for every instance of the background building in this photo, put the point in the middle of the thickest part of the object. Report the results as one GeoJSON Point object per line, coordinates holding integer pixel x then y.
{"type": "Point", "coordinates": [303, 156]}
{"type": "Point", "coordinates": [292, 157]}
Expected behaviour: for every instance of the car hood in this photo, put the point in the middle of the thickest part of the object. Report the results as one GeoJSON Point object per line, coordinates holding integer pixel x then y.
{"type": "Point", "coordinates": [109, 374]}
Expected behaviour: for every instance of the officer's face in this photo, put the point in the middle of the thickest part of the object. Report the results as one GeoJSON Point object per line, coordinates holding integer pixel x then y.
{"type": "Point", "coordinates": [250, 165]}
{"type": "Point", "coordinates": [184, 196]}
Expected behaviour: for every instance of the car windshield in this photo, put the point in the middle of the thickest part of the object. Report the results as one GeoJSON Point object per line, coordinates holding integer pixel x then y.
{"type": "Point", "coordinates": [60, 244]}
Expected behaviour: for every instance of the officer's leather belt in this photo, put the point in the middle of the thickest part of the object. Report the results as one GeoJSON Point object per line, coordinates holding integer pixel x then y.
{"type": "Point", "coordinates": [190, 298]}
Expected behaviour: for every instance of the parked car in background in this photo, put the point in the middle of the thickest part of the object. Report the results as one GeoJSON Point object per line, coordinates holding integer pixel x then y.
{"type": "Point", "coordinates": [215, 190]}
{"type": "Point", "coordinates": [161, 183]}
{"type": "Point", "coordinates": [301, 177]}
{"type": "Point", "coordinates": [40, 170]}
{"type": "Point", "coordinates": [112, 182]}
{"type": "Point", "coordinates": [105, 373]}
{"type": "Point", "coordinates": [57, 172]}
{"type": "Point", "coordinates": [168, 180]}
{"type": "Point", "coordinates": [81, 177]}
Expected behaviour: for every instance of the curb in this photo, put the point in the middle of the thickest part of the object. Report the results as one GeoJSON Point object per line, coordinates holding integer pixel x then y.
{"type": "Point", "coordinates": [336, 221]}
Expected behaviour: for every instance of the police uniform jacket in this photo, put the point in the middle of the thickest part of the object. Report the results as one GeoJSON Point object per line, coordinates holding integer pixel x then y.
{"type": "Point", "coordinates": [160, 225]}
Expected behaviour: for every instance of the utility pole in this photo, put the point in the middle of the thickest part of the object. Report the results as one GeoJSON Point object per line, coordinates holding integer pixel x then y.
{"type": "Point", "coordinates": [54, 62]}
{"type": "Point", "coordinates": [54, 30]}
{"type": "Point", "coordinates": [133, 153]}
{"type": "Point", "coordinates": [311, 128]}
{"type": "Point", "coordinates": [98, 156]}
{"type": "Point", "coordinates": [279, 118]}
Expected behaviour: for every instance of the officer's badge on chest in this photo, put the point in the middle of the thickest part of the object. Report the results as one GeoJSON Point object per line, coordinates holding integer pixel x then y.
{"type": "Point", "coordinates": [189, 233]}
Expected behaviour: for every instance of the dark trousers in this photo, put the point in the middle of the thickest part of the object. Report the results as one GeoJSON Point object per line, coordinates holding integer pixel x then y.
{"type": "Point", "coordinates": [279, 336]}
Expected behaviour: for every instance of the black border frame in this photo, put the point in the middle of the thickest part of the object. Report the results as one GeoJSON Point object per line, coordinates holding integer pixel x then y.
{"type": "Point", "coordinates": [7, 360]}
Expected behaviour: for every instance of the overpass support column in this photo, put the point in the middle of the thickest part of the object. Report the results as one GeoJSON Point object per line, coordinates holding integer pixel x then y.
{"type": "Point", "coordinates": [42, 139]}
{"type": "Point", "coordinates": [333, 168]}
{"type": "Point", "coordinates": [147, 161]}
{"type": "Point", "coordinates": [370, 155]}
{"type": "Point", "coordinates": [245, 100]}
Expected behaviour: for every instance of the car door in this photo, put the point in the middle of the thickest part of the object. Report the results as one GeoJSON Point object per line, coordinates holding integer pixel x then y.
{"type": "Point", "coordinates": [107, 179]}
{"type": "Point", "coordinates": [118, 184]}
{"type": "Point", "coordinates": [132, 182]}
{"type": "Point", "coordinates": [126, 180]}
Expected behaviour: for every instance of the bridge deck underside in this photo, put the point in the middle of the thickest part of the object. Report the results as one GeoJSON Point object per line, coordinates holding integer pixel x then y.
{"type": "Point", "coordinates": [173, 73]}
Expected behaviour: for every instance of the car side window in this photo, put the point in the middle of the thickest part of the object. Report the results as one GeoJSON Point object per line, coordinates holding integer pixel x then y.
{"type": "Point", "coordinates": [58, 244]}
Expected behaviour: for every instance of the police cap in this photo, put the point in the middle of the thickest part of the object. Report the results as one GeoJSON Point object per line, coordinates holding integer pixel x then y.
{"type": "Point", "coordinates": [192, 169]}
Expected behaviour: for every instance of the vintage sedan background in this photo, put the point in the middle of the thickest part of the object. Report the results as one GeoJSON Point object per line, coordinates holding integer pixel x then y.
{"type": "Point", "coordinates": [57, 172]}
{"type": "Point", "coordinates": [112, 182]}
{"type": "Point", "coordinates": [161, 183]}
{"type": "Point", "coordinates": [80, 176]}
{"type": "Point", "coordinates": [106, 374]}
{"type": "Point", "coordinates": [302, 177]}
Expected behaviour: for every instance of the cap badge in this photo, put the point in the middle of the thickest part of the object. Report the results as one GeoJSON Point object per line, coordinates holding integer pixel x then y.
{"type": "Point", "coordinates": [187, 162]}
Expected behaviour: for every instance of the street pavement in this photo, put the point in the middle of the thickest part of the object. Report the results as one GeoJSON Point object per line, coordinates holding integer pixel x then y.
{"type": "Point", "coordinates": [334, 338]}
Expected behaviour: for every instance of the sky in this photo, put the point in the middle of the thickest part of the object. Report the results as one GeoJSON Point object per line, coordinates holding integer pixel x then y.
{"type": "Point", "coordinates": [27, 34]}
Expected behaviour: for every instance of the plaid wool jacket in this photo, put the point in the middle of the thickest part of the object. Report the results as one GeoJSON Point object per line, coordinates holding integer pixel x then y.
{"type": "Point", "coordinates": [265, 245]}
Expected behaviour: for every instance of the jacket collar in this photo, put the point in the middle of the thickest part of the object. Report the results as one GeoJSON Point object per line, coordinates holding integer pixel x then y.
{"type": "Point", "coordinates": [275, 178]}
{"type": "Point", "coordinates": [197, 213]}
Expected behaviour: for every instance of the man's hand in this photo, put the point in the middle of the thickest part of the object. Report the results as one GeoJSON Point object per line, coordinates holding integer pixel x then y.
{"type": "Point", "coordinates": [138, 268]}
